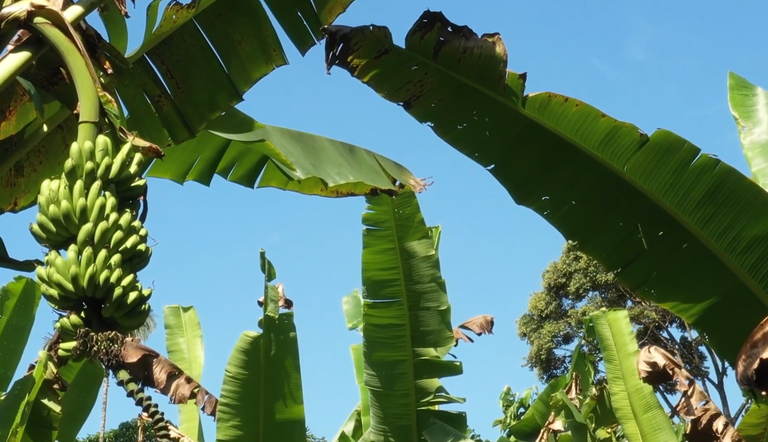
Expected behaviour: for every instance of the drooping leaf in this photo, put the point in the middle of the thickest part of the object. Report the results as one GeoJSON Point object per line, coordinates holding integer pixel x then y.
{"type": "Point", "coordinates": [528, 428]}
{"type": "Point", "coordinates": [115, 25]}
{"type": "Point", "coordinates": [638, 410]}
{"type": "Point", "coordinates": [406, 318]}
{"type": "Point", "coordinates": [18, 305]}
{"type": "Point", "coordinates": [184, 341]}
{"type": "Point", "coordinates": [245, 152]}
{"type": "Point", "coordinates": [683, 229]}
{"type": "Point", "coordinates": [84, 380]}
{"type": "Point", "coordinates": [749, 107]}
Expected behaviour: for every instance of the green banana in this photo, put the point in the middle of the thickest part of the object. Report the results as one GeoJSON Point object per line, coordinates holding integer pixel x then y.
{"type": "Point", "coordinates": [71, 173]}
{"type": "Point", "coordinates": [76, 155]}
{"type": "Point", "coordinates": [111, 200]}
{"type": "Point", "coordinates": [101, 260]}
{"type": "Point", "coordinates": [112, 301]}
{"type": "Point", "coordinates": [54, 215]}
{"type": "Point", "coordinates": [47, 227]}
{"type": "Point", "coordinates": [89, 281]}
{"type": "Point", "coordinates": [103, 284]}
{"type": "Point", "coordinates": [135, 317]}
{"type": "Point", "coordinates": [100, 237]}
{"type": "Point", "coordinates": [81, 210]}
{"type": "Point", "coordinates": [89, 151]}
{"type": "Point", "coordinates": [104, 168]}
{"type": "Point", "coordinates": [117, 275]}
{"type": "Point", "coordinates": [78, 190]}
{"type": "Point", "coordinates": [72, 253]}
{"type": "Point", "coordinates": [116, 261]}
{"type": "Point", "coordinates": [93, 194]}
{"type": "Point", "coordinates": [77, 281]}
{"type": "Point", "coordinates": [98, 214]}
{"type": "Point", "coordinates": [134, 190]}
{"type": "Point", "coordinates": [69, 218]}
{"type": "Point", "coordinates": [118, 167]}
{"type": "Point", "coordinates": [117, 239]}
{"type": "Point", "coordinates": [87, 258]}
{"type": "Point", "coordinates": [68, 345]}
{"type": "Point", "coordinates": [65, 191]}
{"type": "Point", "coordinates": [85, 234]}
{"type": "Point", "coordinates": [103, 148]}
{"type": "Point", "coordinates": [89, 173]}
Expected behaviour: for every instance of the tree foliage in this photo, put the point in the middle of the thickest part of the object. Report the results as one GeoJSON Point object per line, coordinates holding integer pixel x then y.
{"type": "Point", "coordinates": [575, 286]}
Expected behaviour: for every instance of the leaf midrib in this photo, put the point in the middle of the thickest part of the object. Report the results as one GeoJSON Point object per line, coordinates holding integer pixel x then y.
{"type": "Point", "coordinates": [411, 392]}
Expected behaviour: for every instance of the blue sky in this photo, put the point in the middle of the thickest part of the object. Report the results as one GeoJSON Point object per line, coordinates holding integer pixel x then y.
{"type": "Point", "coordinates": [655, 64]}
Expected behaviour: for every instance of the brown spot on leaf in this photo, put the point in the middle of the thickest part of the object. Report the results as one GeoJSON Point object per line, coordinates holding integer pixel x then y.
{"type": "Point", "coordinates": [706, 422]}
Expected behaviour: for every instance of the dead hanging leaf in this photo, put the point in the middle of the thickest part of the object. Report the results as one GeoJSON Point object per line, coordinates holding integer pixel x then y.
{"type": "Point", "coordinates": [573, 390]}
{"type": "Point", "coordinates": [147, 148]}
{"type": "Point", "coordinates": [479, 325]}
{"type": "Point", "coordinates": [706, 422]}
{"type": "Point", "coordinates": [282, 301]}
{"type": "Point", "coordinates": [752, 361]}
{"type": "Point", "coordinates": [553, 425]}
{"type": "Point", "coordinates": [153, 370]}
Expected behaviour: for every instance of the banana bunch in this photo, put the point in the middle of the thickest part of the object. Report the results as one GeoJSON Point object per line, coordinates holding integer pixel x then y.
{"type": "Point", "coordinates": [90, 214]}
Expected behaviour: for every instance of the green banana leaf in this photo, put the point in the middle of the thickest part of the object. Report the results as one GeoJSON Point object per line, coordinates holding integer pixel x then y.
{"type": "Point", "coordinates": [683, 229]}
{"type": "Point", "coordinates": [437, 431]}
{"type": "Point", "coordinates": [749, 107]}
{"type": "Point", "coordinates": [753, 426]}
{"type": "Point", "coordinates": [241, 150]}
{"type": "Point", "coordinates": [184, 342]}
{"type": "Point", "coordinates": [634, 402]}
{"type": "Point", "coordinates": [365, 403]}
{"type": "Point", "coordinates": [352, 430]}
{"type": "Point", "coordinates": [84, 380]}
{"type": "Point", "coordinates": [187, 47]}
{"type": "Point", "coordinates": [19, 300]}
{"type": "Point", "coordinates": [17, 404]}
{"type": "Point", "coordinates": [528, 428]}
{"type": "Point", "coordinates": [406, 317]}
{"type": "Point", "coordinates": [261, 397]}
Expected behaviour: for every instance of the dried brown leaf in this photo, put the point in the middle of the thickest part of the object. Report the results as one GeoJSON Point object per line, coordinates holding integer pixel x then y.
{"type": "Point", "coordinates": [282, 301]}
{"type": "Point", "coordinates": [752, 362]}
{"type": "Point", "coordinates": [706, 422]}
{"type": "Point", "coordinates": [573, 390]}
{"type": "Point", "coordinates": [153, 370]}
{"type": "Point", "coordinates": [479, 325]}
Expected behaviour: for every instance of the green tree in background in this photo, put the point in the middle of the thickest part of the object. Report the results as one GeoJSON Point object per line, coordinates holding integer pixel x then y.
{"type": "Point", "coordinates": [128, 432]}
{"type": "Point", "coordinates": [575, 286]}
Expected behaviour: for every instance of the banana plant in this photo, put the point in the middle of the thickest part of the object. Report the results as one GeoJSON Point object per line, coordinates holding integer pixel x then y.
{"type": "Point", "coordinates": [681, 228]}
{"type": "Point", "coordinates": [404, 318]}
{"type": "Point", "coordinates": [261, 396]}
{"type": "Point", "coordinates": [184, 343]}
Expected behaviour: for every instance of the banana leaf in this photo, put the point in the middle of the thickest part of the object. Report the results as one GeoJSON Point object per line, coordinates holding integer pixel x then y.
{"type": "Point", "coordinates": [635, 404]}
{"type": "Point", "coordinates": [749, 107]}
{"type": "Point", "coordinates": [407, 318]}
{"type": "Point", "coordinates": [753, 427]}
{"type": "Point", "coordinates": [186, 72]}
{"type": "Point", "coordinates": [242, 151]}
{"type": "Point", "coordinates": [682, 229]}
{"type": "Point", "coordinates": [84, 380]}
{"type": "Point", "coordinates": [184, 341]}
{"type": "Point", "coordinates": [15, 408]}
{"type": "Point", "coordinates": [19, 300]}
{"type": "Point", "coordinates": [352, 430]}
{"type": "Point", "coordinates": [528, 428]}
{"type": "Point", "coordinates": [261, 397]}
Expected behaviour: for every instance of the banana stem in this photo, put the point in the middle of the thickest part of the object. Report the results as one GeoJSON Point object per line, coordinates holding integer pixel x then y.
{"type": "Point", "coordinates": [19, 58]}
{"type": "Point", "coordinates": [87, 94]}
